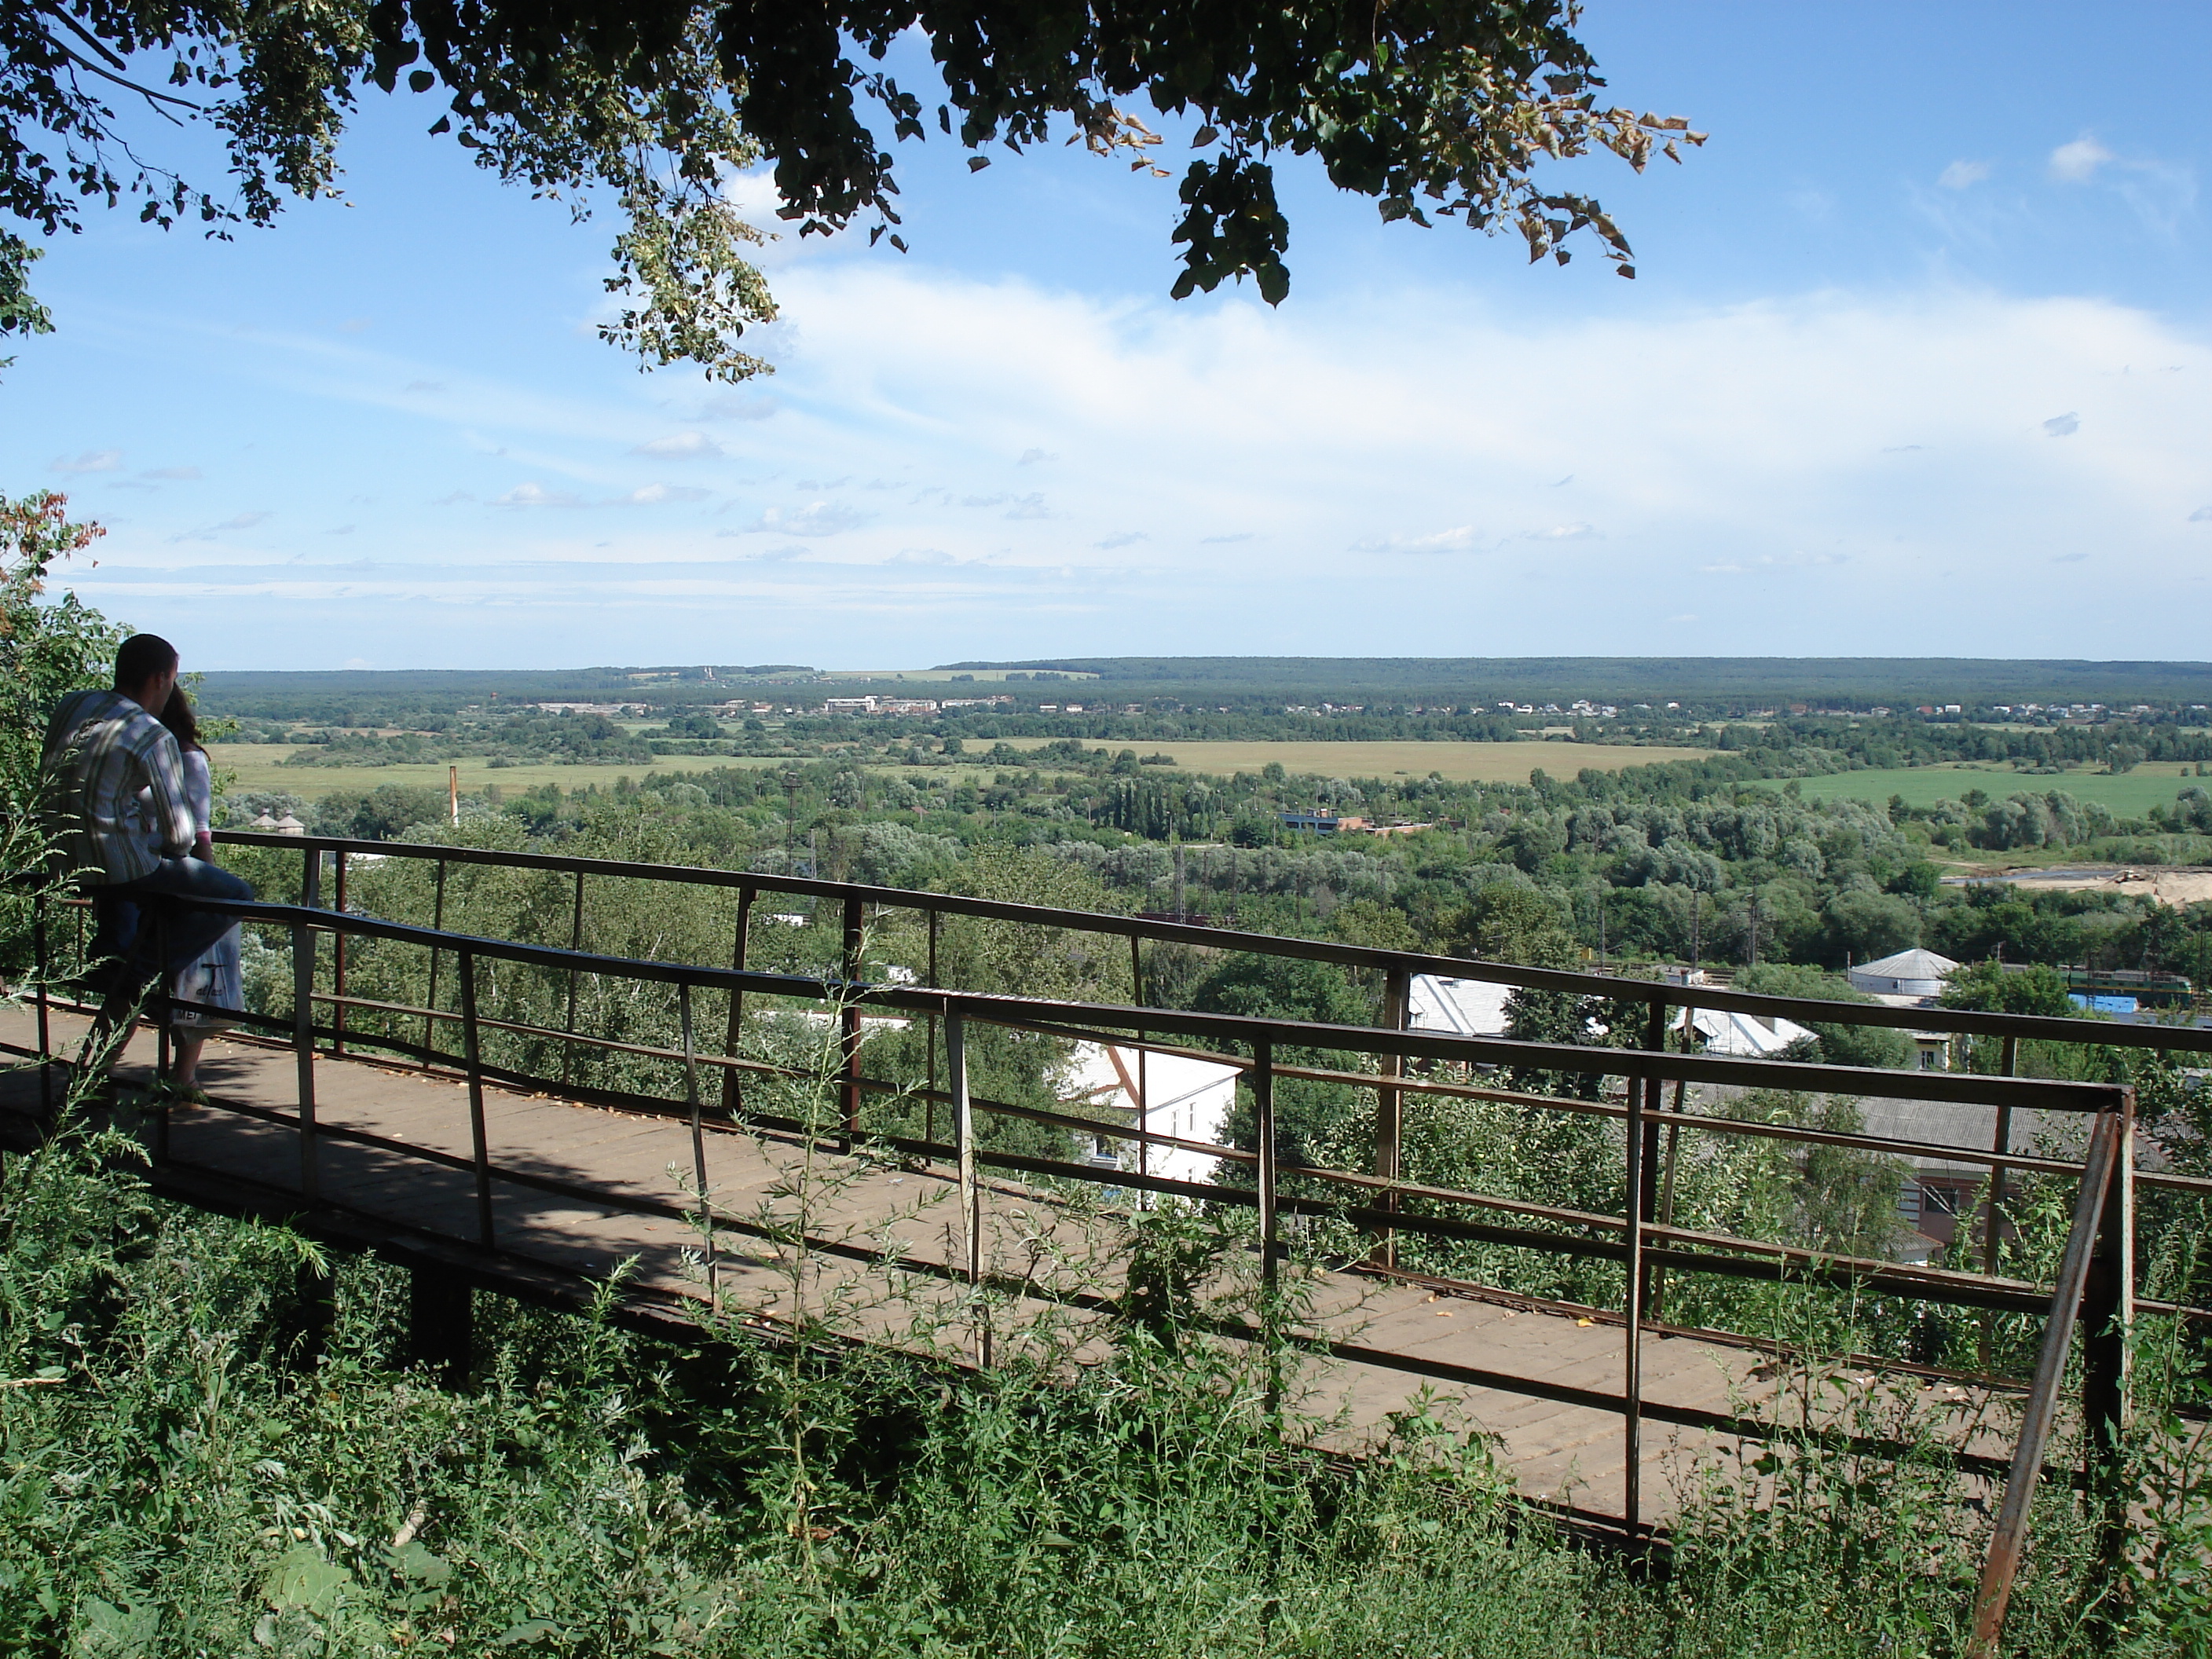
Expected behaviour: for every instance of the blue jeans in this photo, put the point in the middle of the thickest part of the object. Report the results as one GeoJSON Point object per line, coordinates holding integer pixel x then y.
{"type": "Point", "coordinates": [156, 914]}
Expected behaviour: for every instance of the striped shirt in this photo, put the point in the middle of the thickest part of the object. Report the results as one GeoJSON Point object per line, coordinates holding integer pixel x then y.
{"type": "Point", "coordinates": [102, 750]}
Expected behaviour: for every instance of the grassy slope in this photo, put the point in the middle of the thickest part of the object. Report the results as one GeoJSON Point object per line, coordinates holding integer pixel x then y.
{"type": "Point", "coordinates": [2130, 793]}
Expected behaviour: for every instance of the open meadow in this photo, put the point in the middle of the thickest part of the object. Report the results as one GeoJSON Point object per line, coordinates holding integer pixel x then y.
{"type": "Point", "coordinates": [1459, 763]}
{"type": "Point", "coordinates": [261, 766]}
{"type": "Point", "coordinates": [2130, 793]}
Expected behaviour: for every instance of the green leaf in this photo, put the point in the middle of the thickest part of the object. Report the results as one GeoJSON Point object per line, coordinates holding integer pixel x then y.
{"type": "Point", "coordinates": [415, 1560]}
{"type": "Point", "coordinates": [530, 1630]}
{"type": "Point", "coordinates": [303, 1578]}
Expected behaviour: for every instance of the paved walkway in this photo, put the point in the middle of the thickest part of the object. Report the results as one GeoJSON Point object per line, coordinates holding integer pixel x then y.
{"type": "Point", "coordinates": [859, 1215]}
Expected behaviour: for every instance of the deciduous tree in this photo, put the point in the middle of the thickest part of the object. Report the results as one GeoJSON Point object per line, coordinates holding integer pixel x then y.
{"type": "Point", "coordinates": [1435, 108]}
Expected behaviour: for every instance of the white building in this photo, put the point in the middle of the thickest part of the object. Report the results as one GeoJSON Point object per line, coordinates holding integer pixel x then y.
{"type": "Point", "coordinates": [1189, 1099]}
{"type": "Point", "coordinates": [1916, 973]}
{"type": "Point", "coordinates": [1746, 1037]}
{"type": "Point", "coordinates": [1463, 1007]}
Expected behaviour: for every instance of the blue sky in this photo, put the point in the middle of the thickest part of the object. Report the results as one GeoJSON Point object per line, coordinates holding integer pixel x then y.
{"type": "Point", "coordinates": [1917, 362]}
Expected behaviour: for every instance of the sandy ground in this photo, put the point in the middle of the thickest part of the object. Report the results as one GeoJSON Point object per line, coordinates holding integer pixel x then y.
{"type": "Point", "coordinates": [2168, 886]}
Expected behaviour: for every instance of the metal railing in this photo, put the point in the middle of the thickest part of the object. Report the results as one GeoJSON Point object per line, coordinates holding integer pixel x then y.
{"type": "Point", "coordinates": [2095, 1288]}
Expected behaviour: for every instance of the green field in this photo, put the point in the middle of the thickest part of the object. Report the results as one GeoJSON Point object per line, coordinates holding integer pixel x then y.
{"type": "Point", "coordinates": [260, 766]}
{"type": "Point", "coordinates": [2130, 794]}
{"type": "Point", "coordinates": [1460, 763]}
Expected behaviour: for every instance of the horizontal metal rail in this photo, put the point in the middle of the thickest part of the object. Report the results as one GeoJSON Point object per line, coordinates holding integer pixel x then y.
{"type": "Point", "coordinates": [1657, 993]}
{"type": "Point", "coordinates": [1260, 1050]}
{"type": "Point", "coordinates": [1048, 1017]}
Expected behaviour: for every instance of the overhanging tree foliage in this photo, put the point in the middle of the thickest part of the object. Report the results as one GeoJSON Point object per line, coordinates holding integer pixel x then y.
{"type": "Point", "coordinates": [1436, 108]}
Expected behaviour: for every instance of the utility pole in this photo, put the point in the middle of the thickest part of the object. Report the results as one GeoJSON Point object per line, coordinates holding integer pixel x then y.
{"type": "Point", "coordinates": [791, 820]}
{"type": "Point", "coordinates": [1754, 954]}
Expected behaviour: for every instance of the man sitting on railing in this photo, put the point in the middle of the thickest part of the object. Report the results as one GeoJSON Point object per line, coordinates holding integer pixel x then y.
{"type": "Point", "coordinates": [104, 751]}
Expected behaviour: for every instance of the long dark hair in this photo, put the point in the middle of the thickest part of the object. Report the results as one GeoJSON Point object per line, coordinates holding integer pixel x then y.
{"type": "Point", "coordinates": [177, 715]}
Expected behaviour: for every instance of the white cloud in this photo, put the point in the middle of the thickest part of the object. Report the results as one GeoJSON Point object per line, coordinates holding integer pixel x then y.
{"type": "Point", "coordinates": [1029, 507]}
{"type": "Point", "coordinates": [175, 474]}
{"type": "Point", "coordinates": [2202, 515]}
{"type": "Point", "coordinates": [2061, 426]}
{"type": "Point", "coordinates": [1699, 437]}
{"type": "Point", "coordinates": [681, 446]}
{"type": "Point", "coordinates": [816, 518]}
{"type": "Point", "coordinates": [1963, 175]}
{"type": "Point", "coordinates": [1033, 456]}
{"type": "Point", "coordinates": [1224, 541]}
{"type": "Point", "coordinates": [736, 406]}
{"type": "Point", "coordinates": [210, 532]}
{"type": "Point", "coordinates": [654, 494]}
{"type": "Point", "coordinates": [1564, 532]}
{"type": "Point", "coordinates": [91, 460]}
{"type": "Point", "coordinates": [2077, 162]}
{"type": "Point", "coordinates": [537, 494]}
{"type": "Point", "coordinates": [1460, 539]}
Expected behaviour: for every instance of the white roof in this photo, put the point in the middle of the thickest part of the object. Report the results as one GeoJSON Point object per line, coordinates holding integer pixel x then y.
{"type": "Point", "coordinates": [1464, 1007]}
{"type": "Point", "coordinates": [1753, 1037]}
{"type": "Point", "coordinates": [1909, 965]}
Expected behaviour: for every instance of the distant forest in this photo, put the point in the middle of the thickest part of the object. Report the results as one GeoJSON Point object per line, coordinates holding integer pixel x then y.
{"type": "Point", "coordinates": [1714, 685]}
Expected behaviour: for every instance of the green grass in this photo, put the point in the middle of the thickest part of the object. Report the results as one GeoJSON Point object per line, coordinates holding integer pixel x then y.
{"type": "Point", "coordinates": [1460, 763]}
{"type": "Point", "coordinates": [2130, 794]}
{"type": "Point", "coordinates": [261, 766]}
{"type": "Point", "coordinates": [190, 1475]}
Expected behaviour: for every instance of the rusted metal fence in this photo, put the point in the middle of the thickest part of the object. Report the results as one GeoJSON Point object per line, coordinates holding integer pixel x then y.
{"type": "Point", "coordinates": [2094, 1289]}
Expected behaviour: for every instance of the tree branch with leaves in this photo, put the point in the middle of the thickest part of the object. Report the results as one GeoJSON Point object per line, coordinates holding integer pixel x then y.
{"type": "Point", "coordinates": [1435, 108]}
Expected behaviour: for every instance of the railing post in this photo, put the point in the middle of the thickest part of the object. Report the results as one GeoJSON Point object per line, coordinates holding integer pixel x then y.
{"type": "Point", "coordinates": [473, 1058]}
{"type": "Point", "coordinates": [338, 957]}
{"type": "Point", "coordinates": [430, 1001]}
{"type": "Point", "coordinates": [848, 1020]}
{"type": "Point", "coordinates": [43, 962]}
{"type": "Point", "coordinates": [1993, 1228]}
{"type": "Point", "coordinates": [303, 1026]}
{"type": "Point", "coordinates": [2001, 1145]}
{"type": "Point", "coordinates": [2107, 1314]}
{"type": "Point", "coordinates": [2009, 1537]}
{"type": "Point", "coordinates": [1632, 1394]}
{"type": "Point", "coordinates": [698, 1143]}
{"type": "Point", "coordinates": [1144, 1117]}
{"type": "Point", "coordinates": [971, 1194]}
{"type": "Point", "coordinates": [733, 1088]}
{"type": "Point", "coordinates": [166, 1006]}
{"type": "Point", "coordinates": [1263, 1115]}
{"type": "Point", "coordinates": [929, 1099]}
{"type": "Point", "coordinates": [1144, 1121]}
{"type": "Point", "coordinates": [1650, 1283]}
{"type": "Point", "coordinates": [1390, 1109]}
{"type": "Point", "coordinates": [575, 943]}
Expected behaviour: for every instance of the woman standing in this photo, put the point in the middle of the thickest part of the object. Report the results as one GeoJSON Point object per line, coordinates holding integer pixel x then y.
{"type": "Point", "coordinates": [212, 979]}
